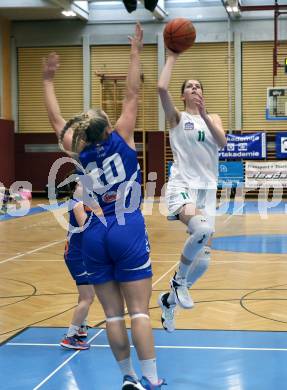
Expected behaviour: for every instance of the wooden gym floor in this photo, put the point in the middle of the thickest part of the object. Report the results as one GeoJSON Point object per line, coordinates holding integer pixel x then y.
{"type": "Point", "coordinates": [242, 290]}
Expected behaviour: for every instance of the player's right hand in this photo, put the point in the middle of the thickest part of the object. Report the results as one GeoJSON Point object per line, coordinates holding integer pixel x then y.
{"type": "Point", "coordinates": [137, 40]}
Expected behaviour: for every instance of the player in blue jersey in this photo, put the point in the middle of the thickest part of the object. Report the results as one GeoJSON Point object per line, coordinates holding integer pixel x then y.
{"type": "Point", "coordinates": [77, 214]}
{"type": "Point", "coordinates": [116, 252]}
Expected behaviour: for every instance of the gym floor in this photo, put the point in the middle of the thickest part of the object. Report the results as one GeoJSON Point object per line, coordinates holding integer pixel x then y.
{"type": "Point", "coordinates": [234, 338]}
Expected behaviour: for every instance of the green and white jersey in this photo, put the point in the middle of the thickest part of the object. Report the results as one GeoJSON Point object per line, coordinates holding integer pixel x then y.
{"type": "Point", "coordinates": [195, 153]}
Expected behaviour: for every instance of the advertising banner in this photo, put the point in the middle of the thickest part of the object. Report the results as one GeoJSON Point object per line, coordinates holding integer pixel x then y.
{"type": "Point", "coordinates": [281, 145]}
{"type": "Point", "coordinates": [247, 146]}
{"type": "Point", "coordinates": [266, 174]}
{"type": "Point", "coordinates": [230, 174]}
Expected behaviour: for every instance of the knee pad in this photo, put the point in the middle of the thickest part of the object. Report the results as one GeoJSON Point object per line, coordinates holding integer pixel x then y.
{"type": "Point", "coordinates": [199, 226]}
{"type": "Point", "coordinates": [200, 232]}
{"type": "Point", "coordinates": [114, 319]}
{"type": "Point", "coordinates": [198, 266]}
{"type": "Point", "coordinates": [139, 315]}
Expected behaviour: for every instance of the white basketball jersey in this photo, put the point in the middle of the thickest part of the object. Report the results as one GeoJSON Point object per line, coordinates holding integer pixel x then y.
{"type": "Point", "coordinates": [195, 153]}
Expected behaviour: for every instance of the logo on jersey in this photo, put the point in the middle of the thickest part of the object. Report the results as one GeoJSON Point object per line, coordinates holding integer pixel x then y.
{"type": "Point", "coordinates": [100, 150]}
{"type": "Point", "coordinates": [147, 246]}
{"type": "Point", "coordinates": [189, 126]}
{"type": "Point", "coordinates": [110, 197]}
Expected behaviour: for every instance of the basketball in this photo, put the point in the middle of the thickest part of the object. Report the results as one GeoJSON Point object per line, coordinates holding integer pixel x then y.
{"type": "Point", "coordinates": [179, 35]}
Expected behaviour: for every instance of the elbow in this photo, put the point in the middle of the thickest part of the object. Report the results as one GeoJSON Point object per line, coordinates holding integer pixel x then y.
{"type": "Point", "coordinates": [222, 143]}
{"type": "Point", "coordinates": [161, 89]}
{"type": "Point", "coordinates": [132, 94]}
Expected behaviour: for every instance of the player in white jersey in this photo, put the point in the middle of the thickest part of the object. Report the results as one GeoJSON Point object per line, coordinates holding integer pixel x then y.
{"type": "Point", "coordinates": [195, 137]}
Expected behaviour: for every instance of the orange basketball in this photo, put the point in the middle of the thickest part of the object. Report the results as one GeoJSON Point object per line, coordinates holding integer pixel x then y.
{"type": "Point", "coordinates": [179, 34]}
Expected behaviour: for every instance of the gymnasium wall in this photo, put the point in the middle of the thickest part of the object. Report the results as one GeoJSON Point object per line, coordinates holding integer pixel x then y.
{"type": "Point", "coordinates": [5, 70]}
{"type": "Point", "coordinates": [114, 60]}
{"type": "Point", "coordinates": [7, 152]}
{"type": "Point", "coordinates": [211, 60]}
{"type": "Point", "coordinates": [32, 115]}
{"type": "Point", "coordinates": [257, 76]}
{"type": "Point", "coordinates": [34, 157]}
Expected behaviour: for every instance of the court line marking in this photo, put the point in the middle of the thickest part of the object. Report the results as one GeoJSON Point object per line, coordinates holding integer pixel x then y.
{"type": "Point", "coordinates": [32, 251]}
{"type": "Point", "coordinates": [158, 347]}
{"type": "Point", "coordinates": [64, 363]}
{"type": "Point", "coordinates": [63, 261]}
{"type": "Point", "coordinates": [57, 242]}
{"type": "Point", "coordinates": [166, 273]}
{"type": "Point", "coordinates": [167, 347]}
{"type": "Point", "coordinates": [92, 338]}
{"type": "Point", "coordinates": [232, 215]}
{"type": "Point", "coordinates": [215, 262]}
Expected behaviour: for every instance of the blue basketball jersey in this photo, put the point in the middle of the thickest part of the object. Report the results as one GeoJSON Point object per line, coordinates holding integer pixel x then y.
{"type": "Point", "coordinates": [73, 252]}
{"type": "Point", "coordinates": [114, 174]}
{"type": "Point", "coordinates": [74, 239]}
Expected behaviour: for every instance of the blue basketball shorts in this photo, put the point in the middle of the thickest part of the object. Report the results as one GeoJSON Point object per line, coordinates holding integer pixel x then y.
{"type": "Point", "coordinates": [117, 252]}
{"type": "Point", "coordinates": [75, 263]}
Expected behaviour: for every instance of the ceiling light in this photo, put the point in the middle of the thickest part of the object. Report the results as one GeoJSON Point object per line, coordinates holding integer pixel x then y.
{"type": "Point", "coordinates": [69, 13]}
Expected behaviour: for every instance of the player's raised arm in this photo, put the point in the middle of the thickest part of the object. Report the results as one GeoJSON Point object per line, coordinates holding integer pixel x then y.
{"type": "Point", "coordinates": [171, 113]}
{"type": "Point", "coordinates": [127, 121]}
{"type": "Point", "coordinates": [50, 66]}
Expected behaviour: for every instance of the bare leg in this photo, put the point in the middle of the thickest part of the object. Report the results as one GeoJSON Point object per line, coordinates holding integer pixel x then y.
{"type": "Point", "coordinates": [86, 298]}
{"type": "Point", "coordinates": [109, 294]}
{"type": "Point", "coordinates": [137, 296]}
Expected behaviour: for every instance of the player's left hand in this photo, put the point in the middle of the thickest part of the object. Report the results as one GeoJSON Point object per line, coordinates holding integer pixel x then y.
{"type": "Point", "coordinates": [50, 65]}
{"type": "Point", "coordinates": [200, 104]}
{"type": "Point", "coordinates": [137, 40]}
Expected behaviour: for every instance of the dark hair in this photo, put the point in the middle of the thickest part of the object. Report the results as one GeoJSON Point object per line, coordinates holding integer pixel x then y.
{"type": "Point", "coordinates": [96, 128]}
{"type": "Point", "coordinates": [184, 84]}
{"type": "Point", "coordinates": [69, 188]}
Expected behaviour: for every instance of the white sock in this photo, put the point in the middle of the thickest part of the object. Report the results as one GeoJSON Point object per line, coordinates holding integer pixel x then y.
{"type": "Point", "coordinates": [148, 368]}
{"type": "Point", "coordinates": [73, 329]}
{"type": "Point", "coordinates": [183, 270]}
{"type": "Point", "coordinates": [126, 367]}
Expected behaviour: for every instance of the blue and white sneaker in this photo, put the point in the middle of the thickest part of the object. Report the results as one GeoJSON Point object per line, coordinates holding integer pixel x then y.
{"type": "Point", "coordinates": [167, 312]}
{"type": "Point", "coordinates": [180, 289]}
{"type": "Point", "coordinates": [147, 385]}
{"type": "Point", "coordinates": [130, 383]}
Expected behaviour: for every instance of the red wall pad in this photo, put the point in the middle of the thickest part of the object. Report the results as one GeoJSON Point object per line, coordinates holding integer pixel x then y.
{"type": "Point", "coordinates": [7, 152]}
{"type": "Point", "coordinates": [35, 154]}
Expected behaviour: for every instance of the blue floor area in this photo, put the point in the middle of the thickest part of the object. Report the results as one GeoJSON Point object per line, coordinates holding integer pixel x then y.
{"type": "Point", "coordinates": [188, 359]}
{"type": "Point", "coordinates": [253, 207]}
{"type": "Point", "coordinates": [265, 243]}
{"type": "Point", "coordinates": [33, 210]}
{"type": "Point", "coordinates": [236, 208]}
